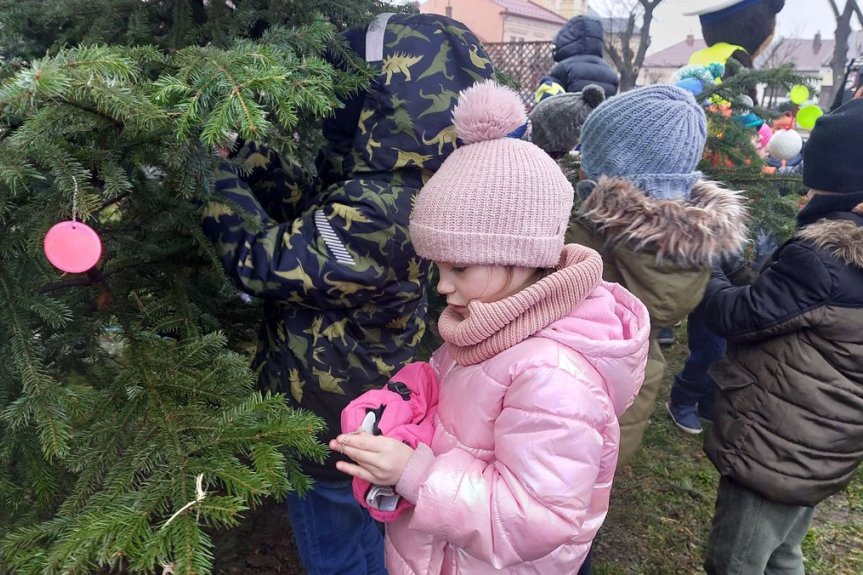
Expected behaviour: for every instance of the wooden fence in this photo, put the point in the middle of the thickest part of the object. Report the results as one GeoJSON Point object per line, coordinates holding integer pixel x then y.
{"type": "Point", "coordinates": [522, 62]}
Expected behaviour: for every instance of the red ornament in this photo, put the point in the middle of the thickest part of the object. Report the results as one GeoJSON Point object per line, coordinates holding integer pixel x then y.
{"type": "Point", "coordinates": [72, 247]}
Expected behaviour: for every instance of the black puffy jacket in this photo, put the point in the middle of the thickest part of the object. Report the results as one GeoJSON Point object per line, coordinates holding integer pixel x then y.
{"type": "Point", "coordinates": [578, 53]}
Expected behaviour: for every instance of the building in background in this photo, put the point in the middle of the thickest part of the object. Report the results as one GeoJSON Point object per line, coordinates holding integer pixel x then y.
{"type": "Point", "coordinates": [659, 66]}
{"type": "Point", "coordinates": [565, 8]}
{"type": "Point", "coordinates": [810, 56]}
{"type": "Point", "coordinates": [502, 20]}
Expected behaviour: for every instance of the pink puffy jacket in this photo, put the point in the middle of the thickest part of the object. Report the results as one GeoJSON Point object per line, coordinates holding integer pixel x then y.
{"type": "Point", "coordinates": [519, 473]}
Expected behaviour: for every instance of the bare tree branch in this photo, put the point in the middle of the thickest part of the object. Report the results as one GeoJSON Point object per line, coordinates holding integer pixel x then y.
{"type": "Point", "coordinates": [618, 40]}
{"type": "Point", "coordinates": [841, 35]}
{"type": "Point", "coordinates": [857, 10]}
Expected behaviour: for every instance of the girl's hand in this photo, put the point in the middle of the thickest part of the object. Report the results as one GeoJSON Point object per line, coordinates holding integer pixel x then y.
{"type": "Point", "coordinates": [379, 460]}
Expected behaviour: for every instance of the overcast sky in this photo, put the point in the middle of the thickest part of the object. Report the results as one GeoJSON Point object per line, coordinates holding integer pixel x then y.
{"type": "Point", "coordinates": [803, 18]}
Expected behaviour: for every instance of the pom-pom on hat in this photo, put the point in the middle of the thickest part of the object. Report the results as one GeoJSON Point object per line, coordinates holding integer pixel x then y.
{"type": "Point", "coordinates": [496, 199]}
{"type": "Point", "coordinates": [556, 121]}
{"type": "Point", "coordinates": [652, 136]}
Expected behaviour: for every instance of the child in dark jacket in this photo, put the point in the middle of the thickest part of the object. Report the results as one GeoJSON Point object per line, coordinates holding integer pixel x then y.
{"type": "Point", "coordinates": [344, 291]}
{"type": "Point", "coordinates": [788, 431]}
{"type": "Point", "coordinates": [578, 57]}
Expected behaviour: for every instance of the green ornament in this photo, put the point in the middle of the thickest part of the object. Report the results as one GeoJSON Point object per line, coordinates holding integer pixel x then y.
{"type": "Point", "coordinates": [807, 115]}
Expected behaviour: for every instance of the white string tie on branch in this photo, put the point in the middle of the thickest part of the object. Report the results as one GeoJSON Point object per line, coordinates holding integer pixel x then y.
{"type": "Point", "coordinates": [200, 494]}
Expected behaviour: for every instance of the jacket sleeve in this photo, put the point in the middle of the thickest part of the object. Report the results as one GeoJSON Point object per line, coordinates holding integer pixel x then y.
{"type": "Point", "coordinates": [279, 185]}
{"type": "Point", "coordinates": [787, 296]}
{"type": "Point", "coordinates": [534, 496]}
{"type": "Point", "coordinates": [333, 255]}
{"type": "Point", "coordinates": [560, 74]}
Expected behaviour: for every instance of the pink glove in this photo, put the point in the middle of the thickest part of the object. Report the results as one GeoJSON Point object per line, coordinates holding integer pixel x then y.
{"type": "Point", "coordinates": [404, 409]}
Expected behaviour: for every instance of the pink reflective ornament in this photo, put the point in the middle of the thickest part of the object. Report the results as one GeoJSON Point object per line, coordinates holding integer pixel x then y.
{"type": "Point", "coordinates": [72, 247]}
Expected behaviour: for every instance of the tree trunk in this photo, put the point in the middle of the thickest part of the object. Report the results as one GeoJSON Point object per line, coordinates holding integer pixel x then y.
{"type": "Point", "coordinates": [644, 37]}
{"type": "Point", "coordinates": [625, 60]}
{"type": "Point", "coordinates": [840, 51]}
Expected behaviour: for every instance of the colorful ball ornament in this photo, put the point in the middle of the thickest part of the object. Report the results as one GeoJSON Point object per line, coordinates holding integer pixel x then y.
{"type": "Point", "coordinates": [807, 115]}
{"type": "Point", "coordinates": [693, 85]}
{"type": "Point", "coordinates": [798, 94]}
{"type": "Point", "coordinates": [785, 144]}
{"type": "Point", "coordinates": [72, 247]}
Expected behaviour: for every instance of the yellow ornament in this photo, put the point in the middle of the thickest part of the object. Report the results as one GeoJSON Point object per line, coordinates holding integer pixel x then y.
{"type": "Point", "coordinates": [799, 94]}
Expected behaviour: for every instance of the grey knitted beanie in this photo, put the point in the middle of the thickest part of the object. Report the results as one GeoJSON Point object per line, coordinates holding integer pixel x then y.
{"type": "Point", "coordinates": [652, 136]}
{"type": "Point", "coordinates": [556, 121]}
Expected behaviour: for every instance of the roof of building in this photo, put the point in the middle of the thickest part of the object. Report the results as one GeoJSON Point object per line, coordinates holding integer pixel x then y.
{"type": "Point", "coordinates": [676, 55]}
{"type": "Point", "coordinates": [807, 54]}
{"type": "Point", "coordinates": [527, 9]}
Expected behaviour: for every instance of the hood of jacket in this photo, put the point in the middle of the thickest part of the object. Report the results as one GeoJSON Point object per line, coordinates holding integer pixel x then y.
{"type": "Point", "coordinates": [695, 232]}
{"type": "Point", "coordinates": [841, 237]}
{"type": "Point", "coordinates": [580, 36]}
{"type": "Point", "coordinates": [404, 129]}
{"type": "Point", "coordinates": [610, 328]}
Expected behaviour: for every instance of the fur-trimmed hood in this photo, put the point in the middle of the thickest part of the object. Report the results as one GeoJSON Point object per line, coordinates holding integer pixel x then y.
{"type": "Point", "coordinates": [699, 231]}
{"type": "Point", "coordinates": [842, 238]}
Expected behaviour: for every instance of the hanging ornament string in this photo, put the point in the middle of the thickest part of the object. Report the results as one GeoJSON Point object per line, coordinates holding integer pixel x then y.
{"type": "Point", "coordinates": [74, 199]}
{"type": "Point", "coordinates": [72, 246]}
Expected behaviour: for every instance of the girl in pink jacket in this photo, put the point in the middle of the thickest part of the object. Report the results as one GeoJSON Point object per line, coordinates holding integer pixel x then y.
{"type": "Point", "coordinates": [540, 358]}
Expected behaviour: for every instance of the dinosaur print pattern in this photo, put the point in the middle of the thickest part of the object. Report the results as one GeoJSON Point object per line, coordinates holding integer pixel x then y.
{"type": "Point", "coordinates": [446, 136]}
{"type": "Point", "coordinates": [439, 102]}
{"type": "Point", "coordinates": [399, 64]}
{"type": "Point", "coordinates": [344, 293]}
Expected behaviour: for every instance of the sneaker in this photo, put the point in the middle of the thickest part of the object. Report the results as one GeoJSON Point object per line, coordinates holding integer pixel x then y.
{"type": "Point", "coordinates": [684, 417]}
{"type": "Point", "coordinates": [665, 336]}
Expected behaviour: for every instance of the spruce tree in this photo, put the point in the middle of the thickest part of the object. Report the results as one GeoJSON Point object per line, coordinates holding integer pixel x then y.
{"type": "Point", "coordinates": [129, 420]}
{"type": "Point", "coordinates": [731, 158]}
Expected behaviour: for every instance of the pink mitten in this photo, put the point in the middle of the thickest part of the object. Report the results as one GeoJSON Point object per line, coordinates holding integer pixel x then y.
{"type": "Point", "coordinates": [404, 409]}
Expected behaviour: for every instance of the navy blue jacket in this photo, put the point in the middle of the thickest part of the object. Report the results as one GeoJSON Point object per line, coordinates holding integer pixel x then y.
{"type": "Point", "coordinates": [578, 53]}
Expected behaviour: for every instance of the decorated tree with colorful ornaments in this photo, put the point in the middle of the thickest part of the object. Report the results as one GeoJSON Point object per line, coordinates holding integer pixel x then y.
{"type": "Point", "coordinates": [129, 422]}
{"type": "Point", "coordinates": [739, 133]}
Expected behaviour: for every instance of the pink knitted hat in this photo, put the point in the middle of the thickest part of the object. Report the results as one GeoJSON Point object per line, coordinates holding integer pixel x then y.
{"type": "Point", "coordinates": [496, 199]}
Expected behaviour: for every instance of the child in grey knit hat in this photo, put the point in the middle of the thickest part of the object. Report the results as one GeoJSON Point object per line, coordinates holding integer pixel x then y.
{"type": "Point", "coordinates": [556, 121]}
{"type": "Point", "coordinates": [658, 225]}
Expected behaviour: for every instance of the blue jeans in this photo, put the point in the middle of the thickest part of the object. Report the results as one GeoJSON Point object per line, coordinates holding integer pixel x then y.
{"type": "Point", "coordinates": [334, 535]}
{"type": "Point", "coordinates": [693, 385]}
{"type": "Point", "coordinates": [585, 567]}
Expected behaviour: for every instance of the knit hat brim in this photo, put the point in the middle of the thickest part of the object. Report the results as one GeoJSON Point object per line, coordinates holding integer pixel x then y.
{"type": "Point", "coordinates": [473, 248]}
{"type": "Point", "coordinates": [666, 186]}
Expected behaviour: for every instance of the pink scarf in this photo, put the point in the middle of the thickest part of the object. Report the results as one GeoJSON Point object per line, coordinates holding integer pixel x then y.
{"type": "Point", "coordinates": [494, 327]}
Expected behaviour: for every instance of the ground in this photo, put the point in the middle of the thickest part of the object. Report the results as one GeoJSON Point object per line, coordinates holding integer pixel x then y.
{"type": "Point", "coordinates": [660, 515]}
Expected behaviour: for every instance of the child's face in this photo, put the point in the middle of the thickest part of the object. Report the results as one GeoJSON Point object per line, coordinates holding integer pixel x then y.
{"type": "Point", "coordinates": [464, 284]}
